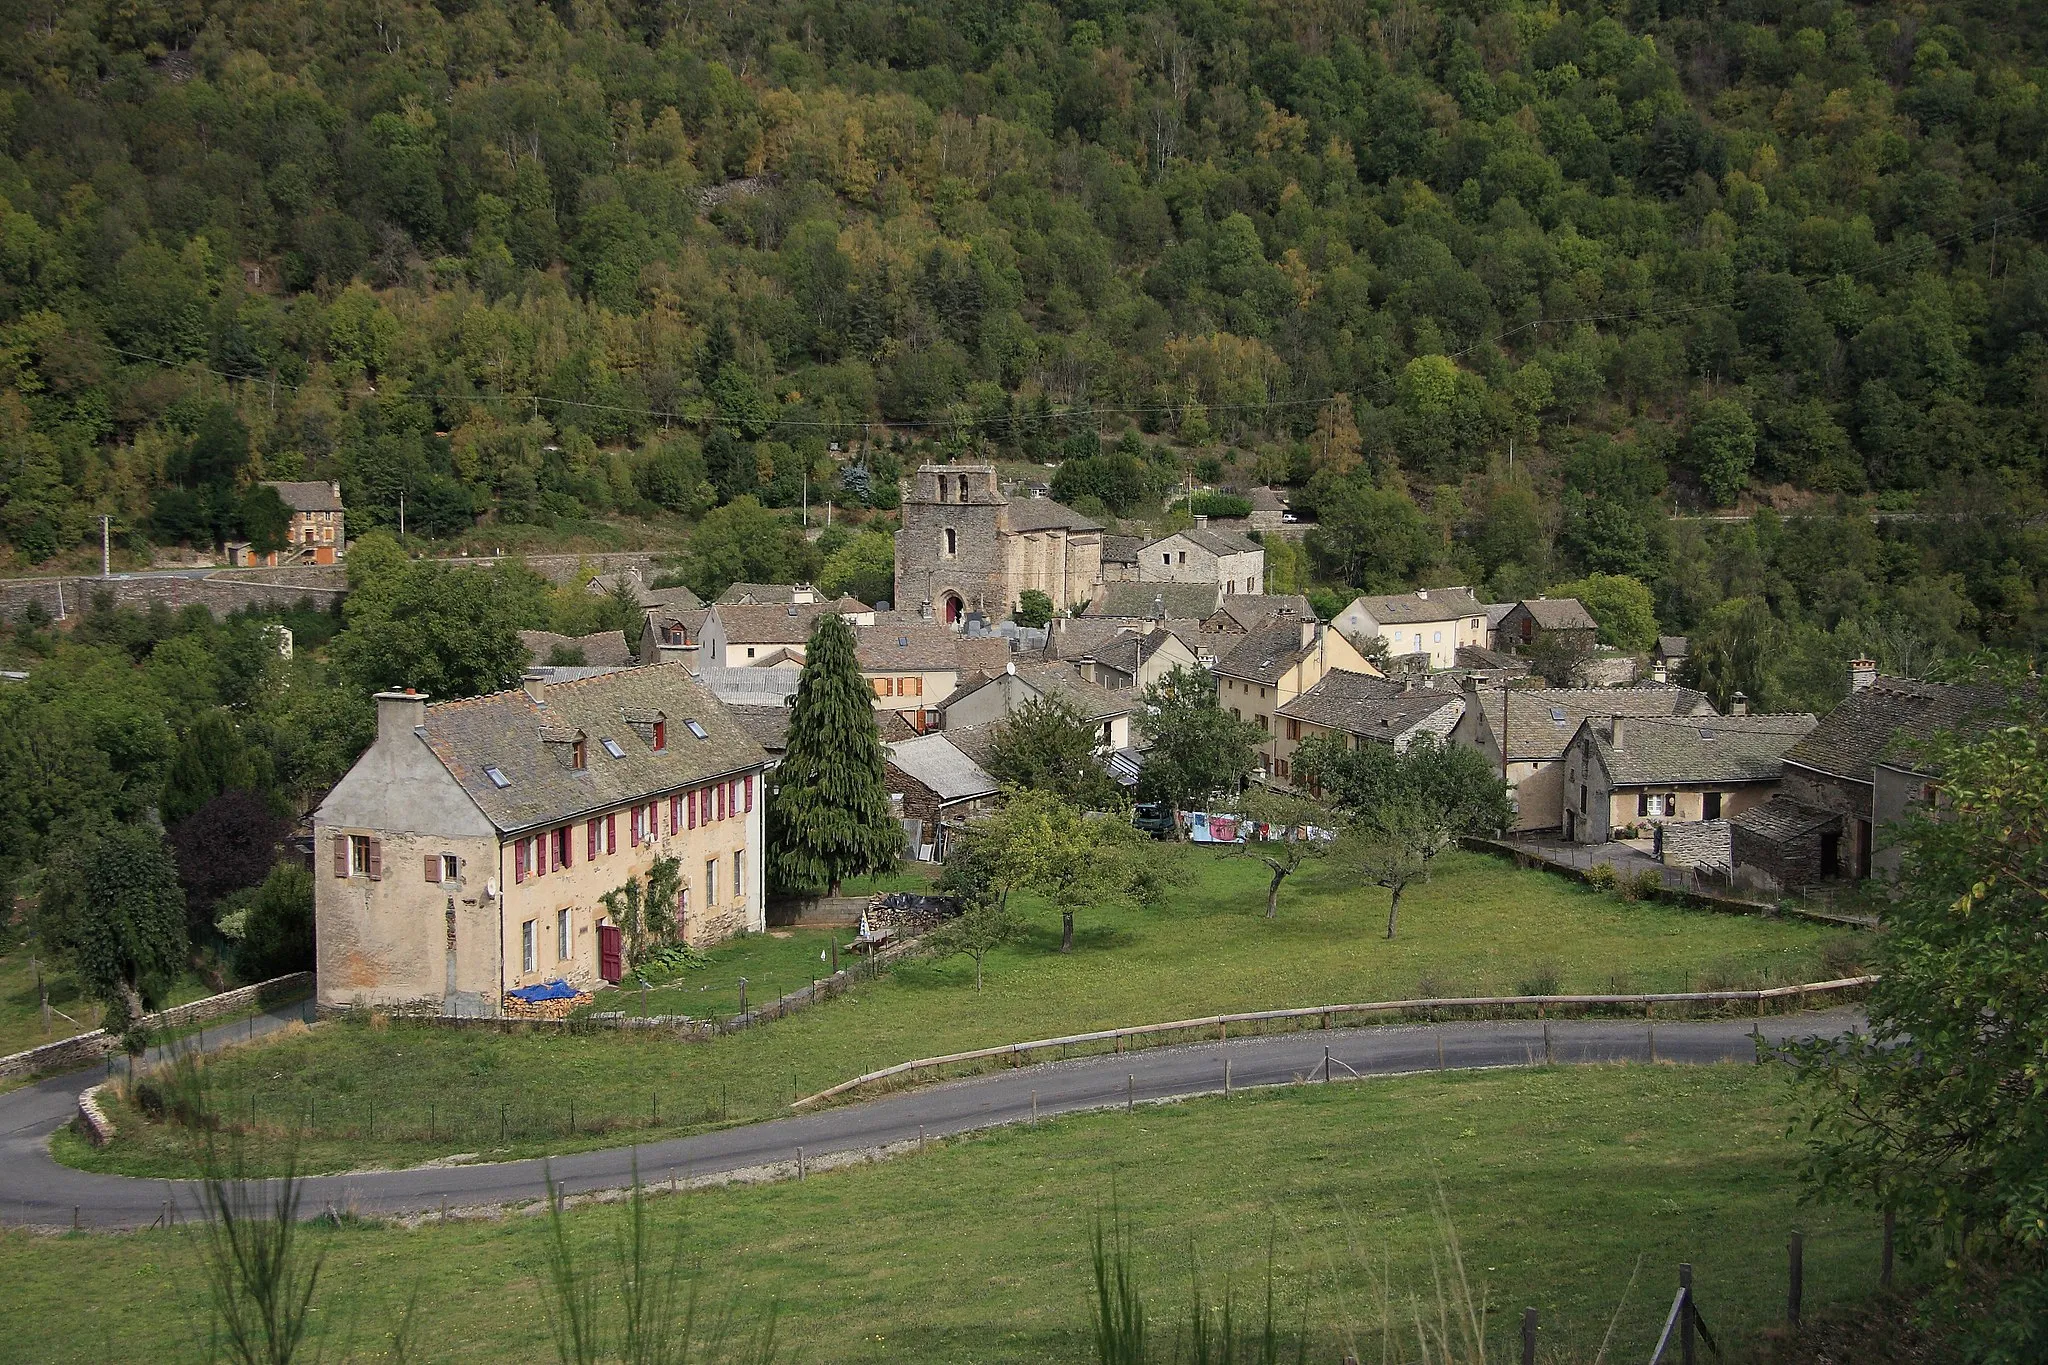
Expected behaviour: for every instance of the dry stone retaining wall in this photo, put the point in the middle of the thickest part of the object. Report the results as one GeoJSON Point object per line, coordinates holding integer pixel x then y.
{"type": "Point", "coordinates": [70, 1054]}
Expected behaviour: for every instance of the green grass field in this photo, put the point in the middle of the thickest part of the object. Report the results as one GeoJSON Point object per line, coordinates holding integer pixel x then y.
{"type": "Point", "coordinates": [21, 1024]}
{"type": "Point", "coordinates": [1560, 1182]}
{"type": "Point", "coordinates": [401, 1094]}
{"type": "Point", "coordinates": [773, 964]}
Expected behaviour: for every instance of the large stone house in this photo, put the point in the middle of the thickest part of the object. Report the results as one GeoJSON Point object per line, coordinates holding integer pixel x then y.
{"type": "Point", "coordinates": [1431, 621]}
{"type": "Point", "coordinates": [1523, 733]}
{"type": "Point", "coordinates": [315, 534]}
{"type": "Point", "coordinates": [1360, 709]}
{"type": "Point", "coordinates": [1270, 665]}
{"type": "Point", "coordinates": [1534, 618]}
{"type": "Point", "coordinates": [967, 547]}
{"type": "Point", "coordinates": [1624, 771]}
{"type": "Point", "coordinates": [1133, 660]}
{"type": "Point", "coordinates": [913, 665]}
{"type": "Point", "coordinates": [1860, 768]}
{"type": "Point", "coordinates": [755, 635]}
{"type": "Point", "coordinates": [1202, 555]}
{"type": "Point", "coordinates": [984, 701]}
{"type": "Point", "coordinates": [466, 852]}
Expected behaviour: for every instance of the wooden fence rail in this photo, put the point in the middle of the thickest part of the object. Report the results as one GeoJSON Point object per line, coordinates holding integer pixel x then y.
{"type": "Point", "coordinates": [1222, 1022]}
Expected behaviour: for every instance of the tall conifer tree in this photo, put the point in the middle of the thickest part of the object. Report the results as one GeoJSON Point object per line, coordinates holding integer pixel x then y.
{"type": "Point", "coordinates": [830, 816]}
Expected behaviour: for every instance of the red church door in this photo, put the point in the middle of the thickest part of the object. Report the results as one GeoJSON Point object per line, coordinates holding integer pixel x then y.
{"type": "Point", "coordinates": [609, 964]}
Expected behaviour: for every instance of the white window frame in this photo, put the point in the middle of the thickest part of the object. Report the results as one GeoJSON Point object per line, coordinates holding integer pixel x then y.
{"type": "Point", "coordinates": [739, 876]}
{"type": "Point", "coordinates": [711, 881]}
{"type": "Point", "coordinates": [451, 868]}
{"type": "Point", "coordinates": [565, 943]}
{"type": "Point", "coordinates": [358, 855]}
{"type": "Point", "coordinates": [529, 947]}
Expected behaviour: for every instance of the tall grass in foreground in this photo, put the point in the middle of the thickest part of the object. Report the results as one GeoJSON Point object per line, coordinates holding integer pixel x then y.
{"type": "Point", "coordinates": [1449, 1323]}
{"type": "Point", "coordinates": [262, 1264]}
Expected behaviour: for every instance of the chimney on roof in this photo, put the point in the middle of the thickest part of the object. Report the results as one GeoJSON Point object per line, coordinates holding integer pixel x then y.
{"type": "Point", "coordinates": [400, 713]}
{"type": "Point", "coordinates": [536, 684]}
{"type": "Point", "coordinates": [1422, 593]}
{"type": "Point", "coordinates": [337, 491]}
{"type": "Point", "coordinates": [1201, 521]}
{"type": "Point", "coordinates": [803, 594]}
{"type": "Point", "coordinates": [1159, 606]}
{"type": "Point", "coordinates": [1862, 673]}
{"type": "Point", "coordinates": [1738, 705]}
{"type": "Point", "coordinates": [1619, 732]}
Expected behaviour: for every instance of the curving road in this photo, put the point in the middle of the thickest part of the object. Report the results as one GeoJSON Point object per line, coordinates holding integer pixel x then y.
{"type": "Point", "coordinates": [36, 1191]}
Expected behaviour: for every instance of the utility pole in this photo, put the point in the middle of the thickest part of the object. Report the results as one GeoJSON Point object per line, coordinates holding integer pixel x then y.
{"type": "Point", "coordinates": [401, 515]}
{"type": "Point", "coordinates": [807, 495]}
{"type": "Point", "coordinates": [106, 548]}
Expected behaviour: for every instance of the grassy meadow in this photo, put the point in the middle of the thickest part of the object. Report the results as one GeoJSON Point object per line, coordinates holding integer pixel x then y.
{"type": "Point", "coordinates": [360, 1093]}
{"type": "Point", "coordinates": [1561, 1184]}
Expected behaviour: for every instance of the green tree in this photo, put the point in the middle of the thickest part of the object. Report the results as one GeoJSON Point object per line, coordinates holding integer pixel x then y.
{"type": "Point", "coordinates": [448, 632]}
{"type": "Point", "coordinates": [277, 932]}
{"type": "Point", "coordinates": [111, 905]}
{"type": "Point", "coordinates": [1046, 745]}
{"type": "Point", "coordinates": [1293, 815]}
{"type": "Point", "coordinates": [829, 816]}
{"type": "Point", "coordinates": [1041, 843]}
{"type": "Point", "coordinates": [1723, 442]}
{"type": "Point", "coordinates": [863, 568]}
{"type": "Point", "coordinates": [212, 758]}
{"type": "Point", "coordinates": [1933, 1114]}
{"type": "Point", "coordinates": [1034, 608]}
{"type": "Point", "coordinates": [1622, 607]}
{"type": "Point", "coordinates": [744, 542]}
{"type": "Point", "coordinates": [986, 922]}
{"type": "Point", "coordinates": [1196, 748]}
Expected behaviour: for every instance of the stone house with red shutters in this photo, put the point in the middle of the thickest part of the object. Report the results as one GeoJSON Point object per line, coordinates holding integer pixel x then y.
{"type": "Point", "coordinates": [467, 852]}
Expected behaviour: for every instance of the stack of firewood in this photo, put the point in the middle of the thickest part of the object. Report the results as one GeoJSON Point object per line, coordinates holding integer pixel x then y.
{"type": "Point", "coordinates": [516, 1008]}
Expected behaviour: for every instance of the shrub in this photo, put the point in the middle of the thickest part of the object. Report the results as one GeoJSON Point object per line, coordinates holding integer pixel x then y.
{"type": "Point", "coordinates": [1641, 886]}
{"type": "Point", "coordinates": [1601, 877]}
{"type": "Point", "coordinates": [277, 936]}
{"type": "Point", "coordinates": [1544, 978]}
{"type": "Point", "coordinates": [1842, 955]}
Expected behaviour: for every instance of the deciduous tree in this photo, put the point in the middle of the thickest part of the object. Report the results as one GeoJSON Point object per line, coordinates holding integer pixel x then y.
{"type": "Point", "coordinates": [112, 906]}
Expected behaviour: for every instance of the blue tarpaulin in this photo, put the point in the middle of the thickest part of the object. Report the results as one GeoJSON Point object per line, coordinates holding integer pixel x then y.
{"type": "Point", "coordinates": [549, 990]}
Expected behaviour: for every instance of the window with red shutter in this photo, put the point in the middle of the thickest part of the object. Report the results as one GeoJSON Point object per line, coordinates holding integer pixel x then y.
{"type": "Point", "coordinates": [690, 801]}
{"type": "Point", "coordinates": [341, 855]}
{"type": "Point", "coordinates": [611, 833]}
{"type": "Point", "coordinates": [721, 800]}
{"type": "Point", "coordinates": [568, 846]}
{"type": "Point", "coordinates": [750, 795]}
{"type": "Point", "coordinates": [590, 840]}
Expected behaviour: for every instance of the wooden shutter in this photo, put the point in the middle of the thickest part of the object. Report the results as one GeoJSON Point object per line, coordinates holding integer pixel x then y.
{"type": "Point", "coordinates": [376, 860]}
{"type": "Point", "coordinates": [750, 795]}
{"type": "Point", "coordinates": [611, 832]}
{"type": "Point", "coordinates": [721, 800]}
{"type": "Point", "coordinates": [433, 867]}
{"type": "Point", "coordinates": [341, 855]}
{"type": "Point", "coordinates": [566, 837]}
{"type": "Point", "coordinates": [519, 861]}
{"type": "Point", "coordinates": [690, 799]}
{"type": "Point", "coordinates": [590, 840]}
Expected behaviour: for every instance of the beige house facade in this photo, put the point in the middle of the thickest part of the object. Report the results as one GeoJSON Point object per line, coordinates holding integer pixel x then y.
{"type": "Point", "coordinates": [1271, 665]}
{"type": "Point", "coordinates": [467, 852]}
{"type": "Point", "coordinates": [1432, 621]}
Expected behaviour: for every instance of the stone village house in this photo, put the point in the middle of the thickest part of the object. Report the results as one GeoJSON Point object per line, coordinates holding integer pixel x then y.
{"type": "Point", "coordinates": [1432, 621]}
{"type": "Point", "coordinates": [1622, 770]}
{"type": "Point", "coordinates": [1272, 664]}
{"type": "Point", "coordinates": [966, 547]}
{"type": "Point", "coordinates": [465, 853]}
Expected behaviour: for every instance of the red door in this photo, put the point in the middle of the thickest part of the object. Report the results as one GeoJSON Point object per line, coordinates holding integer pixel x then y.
{"type": "Point", "coordinates": [608, 954]}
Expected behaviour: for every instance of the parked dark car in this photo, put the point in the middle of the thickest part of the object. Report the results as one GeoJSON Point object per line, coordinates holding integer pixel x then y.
{"type": "Point", "coordinates": [1153, 818]}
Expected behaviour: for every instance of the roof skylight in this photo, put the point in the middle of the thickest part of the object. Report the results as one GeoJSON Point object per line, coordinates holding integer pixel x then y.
{"type": "Point", "coordinates": [611, 746]}
{"type": "Point", "coordinates": [498, 779]}
{"type": "Point", "coordinates": [697, 729]}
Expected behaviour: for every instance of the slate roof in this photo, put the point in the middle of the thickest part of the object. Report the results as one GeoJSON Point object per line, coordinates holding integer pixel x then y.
{"type": "Point", "coordinates": [1782, 819]}
{"type": "Point", "coordinates": [691, 619]}
{"type": "Point", "coordinates": [779, 624]}
{"type": "Point", "coordinates": [1407, 608]}
{"type": "Point", "coordinates": [926, 646]}
{"type": "Point", "coordinates": [1558, 613]}
{"type": "Point", "coordinates": [769, 725]}
{"type": "Point", "coordinates": [600, 648]}
{"type": "Point", "coordinates": [757, 594]}
{"type": "Point", "coordinates": [1264, 499]}
{"type": "Point", "coordinates": [975, 741]}
{"type": "Point", "coordinates": [1359, 704]}
{"type": "Point", "coordinates": [1265, 652]}
{"type": "Point", "coordinates": [307, 495]}
{"type": "Point", "coordinates": [1698, 750]}
{"type": "Point", "coordinates": [1069, 637]}
{"type": "Point", "coordinates": [1497, 612]}
{"type": "Point", "coordinates": [1890, 716]}
{"type": "Point", "coordinates": [1061, 680]}
{"type": "Point", "coordinates": [1121, 549]}
{"type": "Point", "coordinates": [510, 732]}
{"type": "Point", "coordinates": [1673, 647]}
{"type": "Point", "coordinates": [1043, 514]}
{"type": "Point", "coordinates": [949, 773]}
{"type": "Point", "coordinates": [1248, 609]}
{"type": "Point", "coordinates": [1214, 541]}
{"type": "Point", "coordinates": [1542, 720]}
{"type": "Point", "coordinates": [1141, 601]}
{"type": "Point", "coordinates": [1485, 660]}
{"type": "Point", "coordinates": [1127, 653]}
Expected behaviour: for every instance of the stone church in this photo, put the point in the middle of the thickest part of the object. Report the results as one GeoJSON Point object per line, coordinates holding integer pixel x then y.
{"type": "Point", "coordinates": [966, 547]}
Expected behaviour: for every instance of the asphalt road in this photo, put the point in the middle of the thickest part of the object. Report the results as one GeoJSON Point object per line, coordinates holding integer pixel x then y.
{"type": "Point", "coordinates": [36, 1191]}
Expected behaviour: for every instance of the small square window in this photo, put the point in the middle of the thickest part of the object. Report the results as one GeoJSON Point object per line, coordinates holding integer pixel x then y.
{"type": "Point", "coordinates": [696, 729]}
{"type": "Point", "coordinates": [611, 746]}
{"type": "Point", "coordinates": [451, 868]}
{"type": "Point", "coordinates": [498, 779]}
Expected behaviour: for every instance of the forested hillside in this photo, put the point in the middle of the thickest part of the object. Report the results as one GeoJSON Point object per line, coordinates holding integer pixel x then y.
{"type": "Point", "coordinates": [534, 262]}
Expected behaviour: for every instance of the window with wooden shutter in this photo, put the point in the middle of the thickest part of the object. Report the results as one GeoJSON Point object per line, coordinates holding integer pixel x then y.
{"type": "Point", "coordinates": [433, 867]}
{"type": "Point", "coordinates": [519, 861]}
{"type": "Point", "coordinates": [590, 840]}
{"type": "Point", "coordinates": [611, 832]}
{"type": "Point", "coordinates": [376, 868]}
{"type": "Point", "coordinates": [675, 813]}
{"type": "Point", "coordinates": [721, 800]}
{"type": "Point", "coordinates": [750, 796]}
{"type": "Point", "coordinates": [341, 855]}
{"type": "Point", "coordinates": [690, 807]}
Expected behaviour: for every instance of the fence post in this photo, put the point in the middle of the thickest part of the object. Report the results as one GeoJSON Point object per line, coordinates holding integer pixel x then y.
{"type": "Point", "coordinates": [1548, 1056]}
{"type": "Point", "coordinates": [1226, 1083]}
{"type": "Point", "coordinates": [1795, 1288]}
{"type": "Point", "coordinates": [1884, 1268]}
{"type": "Point", "coordinates": [1686, 1349]}
{"type": "Point", "coordinates": [1034, 1109]}
{"type": "Point", "coordinates": [1326, 1066]}
{"type": "Point", "coordinates": [1528, 1336]}
{"type": "Point", "coordinates": [1130, 1092]}
{"type": "Point", "coordinates": [1653, 1042]}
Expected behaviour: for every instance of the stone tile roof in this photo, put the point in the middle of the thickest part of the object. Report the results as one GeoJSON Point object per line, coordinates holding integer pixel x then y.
{"type": "Point", "coordinates": [1264, 499]}
{"type": "Point", "coordinates": [1266, 651]}
{"type": "Point", "coordinates": [1072, 636]}
{"type": "Point", "coordinates": [1214, 541]}
{"type": "Point", "coordinates": [527, 742]}
{"type": "Point", "coordinates": [1043, 514]}
{"type": "Point", "coordinates": [1061, 680]}
{"type": "Point", "coordinates": [600, 648]}
{"type": "Point", "coordinates": [1673, 647]}
{"type": "Point", "coordinates": [1697, 750]}
{"type": "Point", "coordinates": [1151, 601]}
{"type": "Point", "coordinates": [1248, 609]}
{"type": "Point", "coordinates": [769, 725]}
{"type": "Point", "coordinates": [926, 646]}
{"type": "Point", "coordinates": [1128, 652]}
{"type": "Point", "coordinates": [1781, 819]}
{"type": "Point", "coordinates": [1542, 720]}
{"type": "Point", "coordinates": [678, 598]}
{"type": "Point", "coordinates": [1889, 717]}
{"type": "Point", "coordinates": [1408, 608]}
{"type": "Point", "coordinates": [760, 594]}
{"type": "Point", "coordinates": [778, 624]}
{"type": "Point", "coordinates": [1358, 704]}
{"type": "Point", "coordinates": [1558, 613]}
{"type": "Point", "coordinates": [307, 495]}
{"type": "Point", "coordinates": [947, 771]}
{"type": "Point", "coordinates": [1482, 660]}
{"type": "Point", "coordinates": [1121, 549]}
{"type": "Point", "coordinates": [975, 741]}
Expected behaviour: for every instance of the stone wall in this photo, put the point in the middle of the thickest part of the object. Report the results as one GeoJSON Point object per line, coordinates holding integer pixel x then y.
{"type": "Point", "coordinates": [70, 1054]}
{"type": "Point", "coordinates": [1695, 843]}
